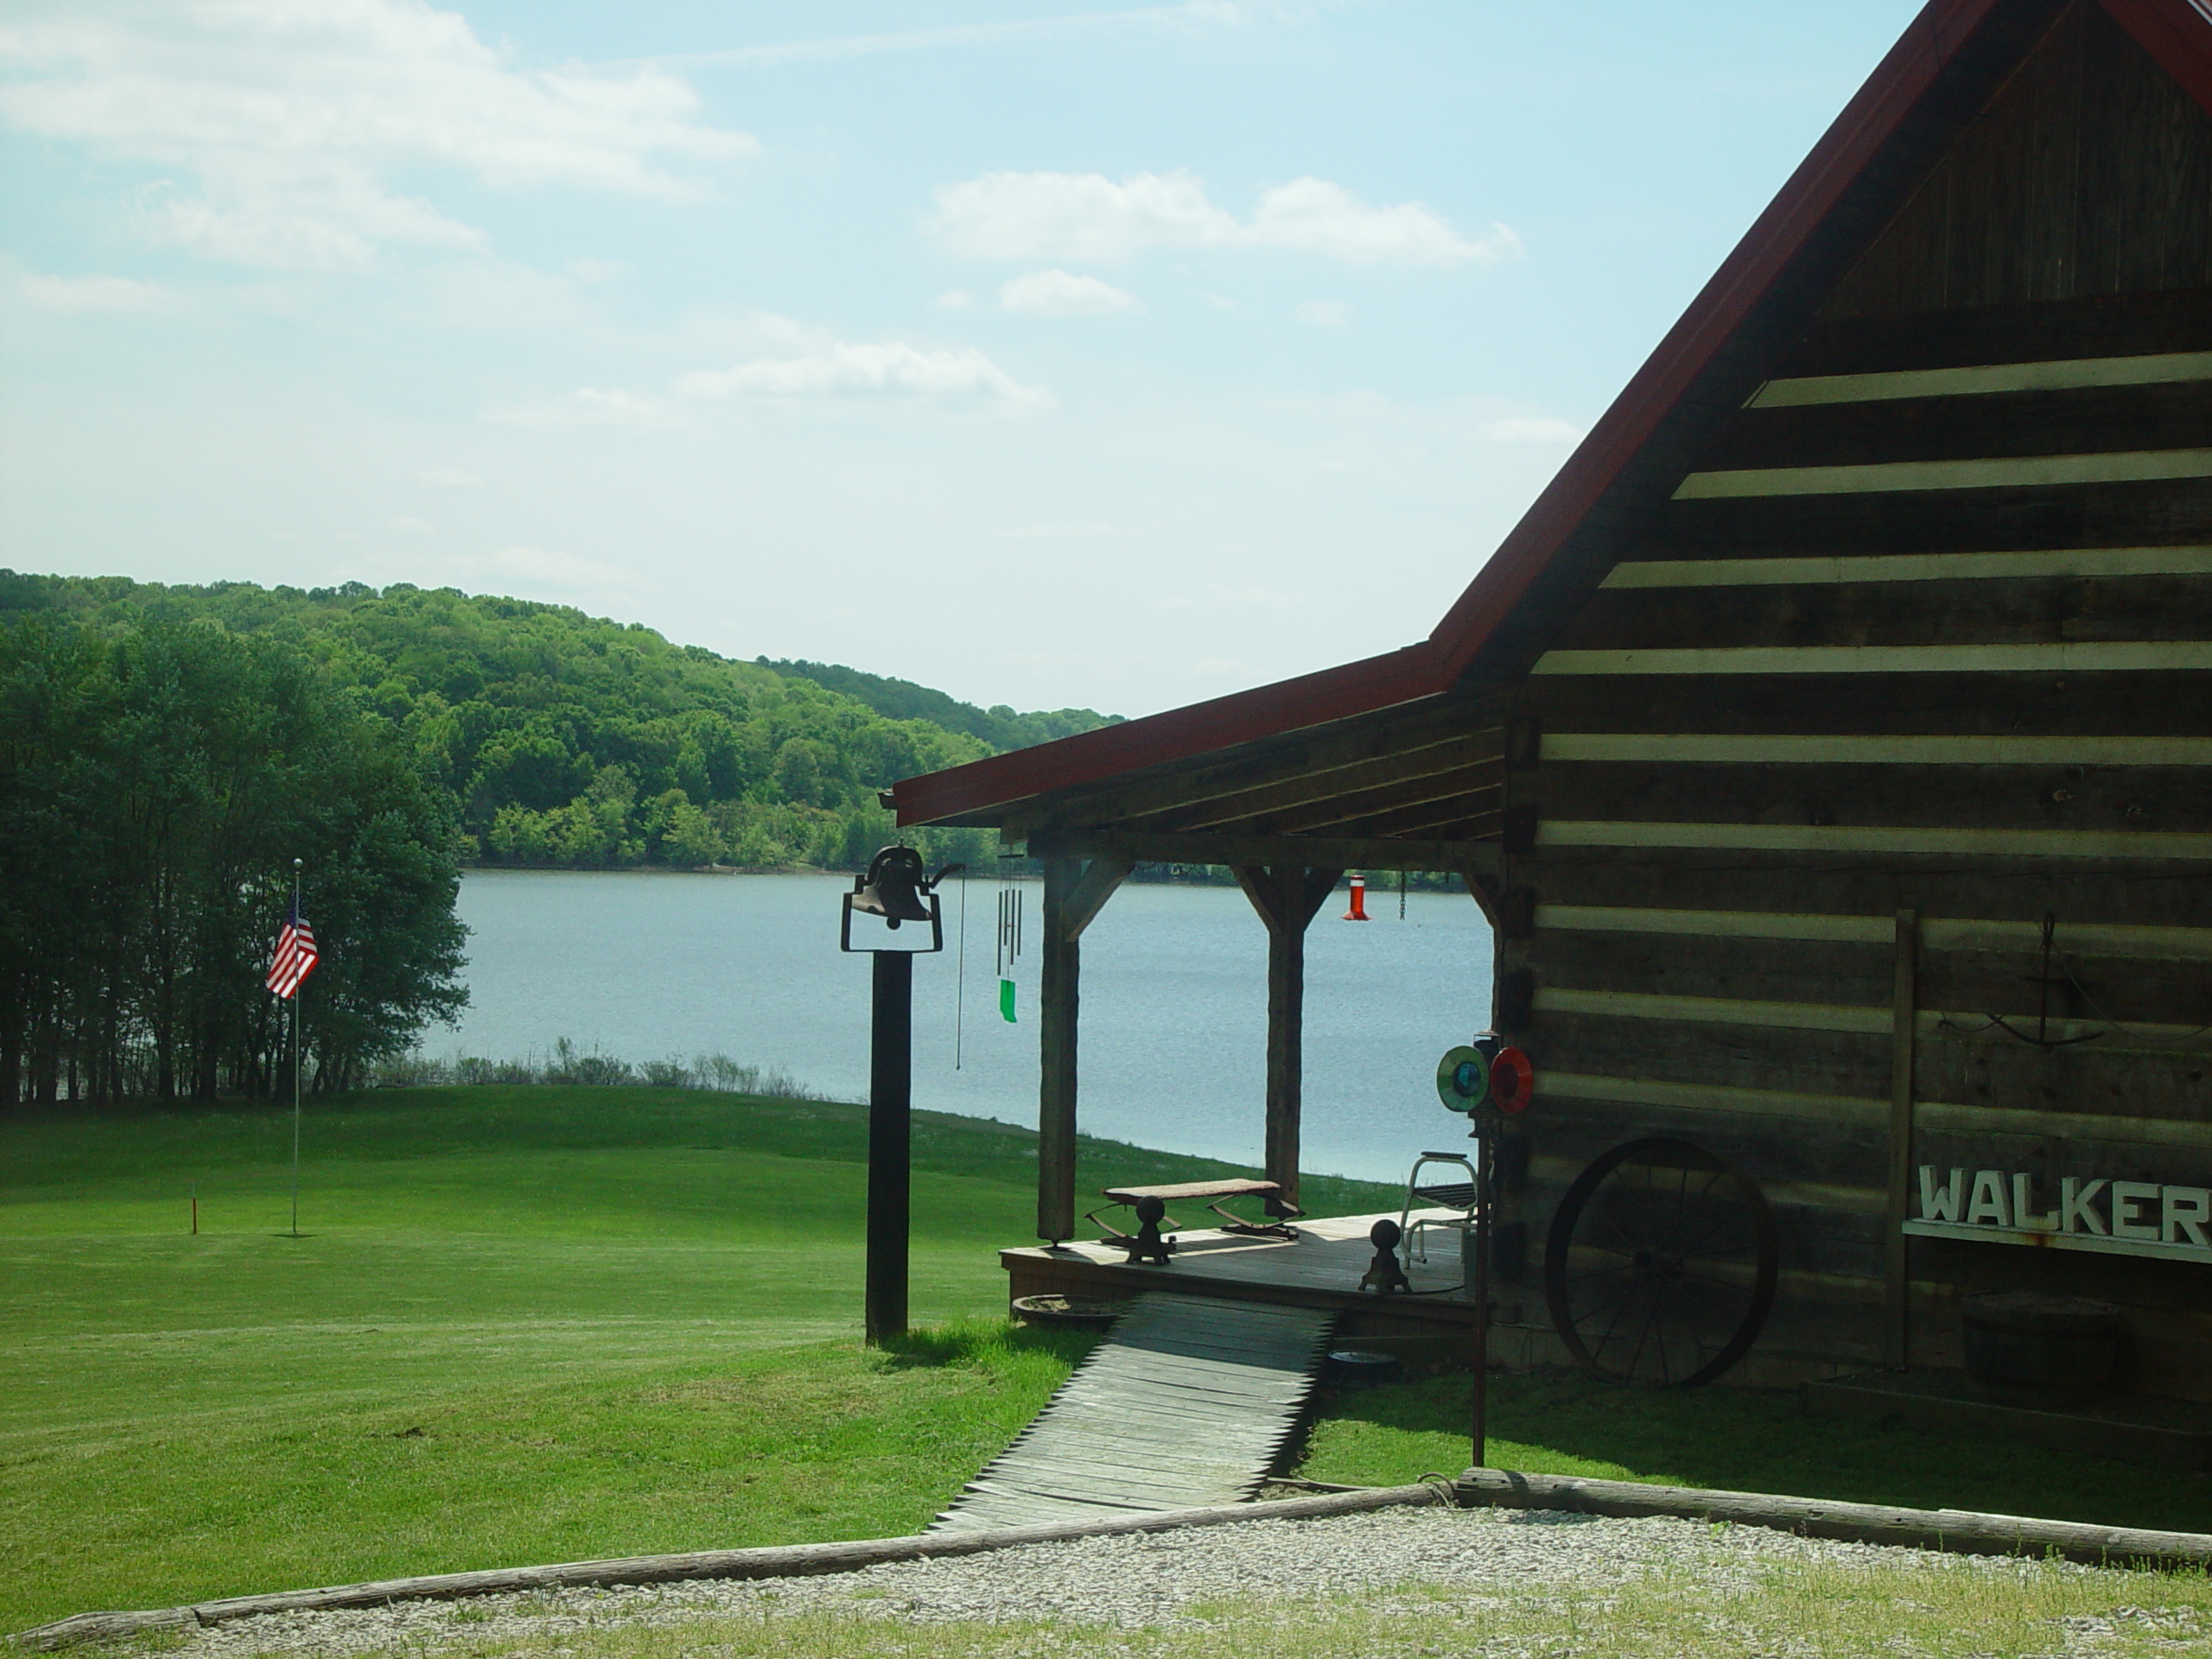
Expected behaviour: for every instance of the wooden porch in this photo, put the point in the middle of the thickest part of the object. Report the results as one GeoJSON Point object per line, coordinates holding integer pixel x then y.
{"type": "Point", "coordinates": [1321, 1267]}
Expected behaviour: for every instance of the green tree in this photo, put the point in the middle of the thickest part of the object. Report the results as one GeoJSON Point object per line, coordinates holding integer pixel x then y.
{"type": "Point", "coordinates": [517, 711]}
{"type": "Point", "coordinates": [156, 782]}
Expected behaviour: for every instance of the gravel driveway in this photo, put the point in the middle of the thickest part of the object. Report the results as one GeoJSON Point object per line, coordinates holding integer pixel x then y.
{"type": "Point", "coordinates": [1159, 1580]}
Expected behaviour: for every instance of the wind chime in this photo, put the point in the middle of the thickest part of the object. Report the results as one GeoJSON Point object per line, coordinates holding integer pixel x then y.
{"type": "Point", "coordinates": [1007, 948]}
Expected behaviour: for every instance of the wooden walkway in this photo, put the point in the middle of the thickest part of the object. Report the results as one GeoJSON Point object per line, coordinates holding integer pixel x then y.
{"type": "Point", "coordinates": [1185, 1404]}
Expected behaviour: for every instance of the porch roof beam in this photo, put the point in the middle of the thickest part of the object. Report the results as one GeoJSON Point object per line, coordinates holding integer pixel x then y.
{"type": "Point", "coordinates": [1310, 787]}
{"type": "Point", "coordinates": [1313, 852]}
{"type": "Point", "coordinates": [1373, 806]}
{"type": "Point", "coordinates": [1408, 733]}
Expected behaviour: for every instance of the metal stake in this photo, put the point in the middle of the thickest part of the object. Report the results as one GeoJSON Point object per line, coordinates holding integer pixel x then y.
{"type": "Point", "coordinates": [1484, 1193]}
{"type": "Point", "coordinates": [890, 1120]}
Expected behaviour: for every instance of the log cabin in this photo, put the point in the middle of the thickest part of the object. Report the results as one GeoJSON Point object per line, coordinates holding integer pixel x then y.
{"type": "Point", "coordinates": [1829, 746]}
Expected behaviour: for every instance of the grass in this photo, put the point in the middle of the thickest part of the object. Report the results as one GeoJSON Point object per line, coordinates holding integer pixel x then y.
{"type": "Point", "coordinates": [524, 1325]}
{"type": "Point", "coordinates": [537, 1323]}
{"type": "Point", "coordinates": [1735, 1440]}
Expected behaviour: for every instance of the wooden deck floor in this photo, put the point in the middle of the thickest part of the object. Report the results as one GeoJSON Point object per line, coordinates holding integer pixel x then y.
{"type": "Point", "coordinates": [1320, 1268]}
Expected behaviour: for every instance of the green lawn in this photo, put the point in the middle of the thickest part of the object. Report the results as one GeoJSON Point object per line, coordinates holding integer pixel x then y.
{"type": "Point", "coordinates": [534, 1325]}
{"type": "Point", "coordinates": [524, 1325]}
{"type": "Point", "coordinates": [1735, 1440]}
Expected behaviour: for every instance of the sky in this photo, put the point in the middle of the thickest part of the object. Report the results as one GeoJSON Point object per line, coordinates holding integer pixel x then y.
{"type": "Point", "coordinates": [1056, 355]}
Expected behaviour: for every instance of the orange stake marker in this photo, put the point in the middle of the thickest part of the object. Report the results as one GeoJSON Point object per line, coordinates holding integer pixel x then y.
{"type": "Point", "coordinates": [1358, 911]}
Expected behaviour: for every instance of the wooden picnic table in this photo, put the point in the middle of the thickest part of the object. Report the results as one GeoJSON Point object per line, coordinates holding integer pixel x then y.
{"type": "Point", "coordinates": [1148, 1240]}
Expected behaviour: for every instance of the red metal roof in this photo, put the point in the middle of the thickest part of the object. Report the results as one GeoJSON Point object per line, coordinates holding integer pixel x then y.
{"type": "Point", "coordinates": [2178, 33]}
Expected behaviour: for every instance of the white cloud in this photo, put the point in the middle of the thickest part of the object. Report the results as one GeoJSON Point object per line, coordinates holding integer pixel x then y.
{"type": "Point", "coordinates": [957, 299]}
{"type": "Point", "coordinates": [82, 293]}
{"type": "Point", "coordinates": [288, 120]}
{"type": "Point", "coordinates": [585, 269]}
{"type": "Point", "coordinates": [1076, 216]}
{"type": "Point", "coordinates": [1317, 217]}
{"type": "Point", "coordinates": [833, 367]}
{"type": "Point", "coordinates": [1086, 217]}
{"type": "Point", "coordinates": [1529, 429]}
{"type": "Point", "coordinates": [1059, 294]}
{"type": "Point", "coordinates": [778, 358]}
{"type": "Point", "coordinates": [490, 294]}
{"type": "Point", "coordinates": [1189, 15]}
{"type": "Point", "coordinates": [1324, 314]}
{"type": "Point", "coordinates": [407, 526]}
{"type": "Point", "coordinates": [448, 478]}
{"type": "Point", "coordinates": [586, 406]}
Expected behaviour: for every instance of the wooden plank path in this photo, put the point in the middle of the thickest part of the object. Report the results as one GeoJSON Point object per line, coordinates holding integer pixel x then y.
{"type": "Point", "coordinates": [1184, 1405]}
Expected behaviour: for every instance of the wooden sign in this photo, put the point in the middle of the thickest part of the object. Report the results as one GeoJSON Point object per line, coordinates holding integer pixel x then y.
{"type": "Point", "coordinates": [2114, 1217]}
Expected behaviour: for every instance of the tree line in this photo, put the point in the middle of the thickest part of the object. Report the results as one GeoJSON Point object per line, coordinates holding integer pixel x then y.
{"type": "Point", "coordinates": [166, 752]}
{"type": "Point", "coordinates": [155, 784]}
{"type": "Point", "coordinates": [573, 742]}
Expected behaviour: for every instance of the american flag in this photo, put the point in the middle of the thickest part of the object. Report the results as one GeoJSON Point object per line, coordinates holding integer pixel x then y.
{"type": "Point", "coordinates": [295, 954]}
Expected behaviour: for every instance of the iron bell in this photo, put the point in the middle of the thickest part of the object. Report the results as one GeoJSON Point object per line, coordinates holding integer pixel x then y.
{"type": "Point", "coordinates": [892, 888]}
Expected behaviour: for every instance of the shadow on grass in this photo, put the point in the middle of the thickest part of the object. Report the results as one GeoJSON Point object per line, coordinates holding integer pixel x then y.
{"type": "Point", "coordinates": [986, 1342]}
{"type": "Point", "coordinates": [1732, 1440]}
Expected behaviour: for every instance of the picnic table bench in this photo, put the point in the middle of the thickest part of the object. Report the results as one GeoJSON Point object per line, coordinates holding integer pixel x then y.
{"type": "Point", "coordinates": [1151, 1203]}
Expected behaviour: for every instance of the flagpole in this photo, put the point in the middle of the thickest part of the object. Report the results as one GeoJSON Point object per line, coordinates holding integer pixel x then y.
{"type": "Point", "coordinates": [296, 866]}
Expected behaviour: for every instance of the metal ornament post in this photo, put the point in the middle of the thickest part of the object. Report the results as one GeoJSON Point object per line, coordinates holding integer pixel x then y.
{"type": "Point", "coordinates": [890, 1143]}
{"type": "Point", "coordinates": [1487, 1123]}
{"type": "Point", "coordinates": [1505, 1093]}
{"type": "Point", "coordinates": [891, 892]}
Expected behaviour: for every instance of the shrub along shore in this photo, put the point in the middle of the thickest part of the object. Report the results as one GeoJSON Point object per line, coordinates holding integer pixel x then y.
{"type": "Point", "coordinates": [568, 1066]}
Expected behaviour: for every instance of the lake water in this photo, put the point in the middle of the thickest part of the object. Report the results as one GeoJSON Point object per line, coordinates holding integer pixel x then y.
{"type": "Point", "coordinates": [1174, 1001]}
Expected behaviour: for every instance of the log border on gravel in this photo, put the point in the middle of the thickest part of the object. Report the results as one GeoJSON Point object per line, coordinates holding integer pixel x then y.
{"type": "Point", "coordinates": [1961, 1531]}
{"type": "Point", "coordinates": [772, 1561]}
{"type": "Point", "coordinates": [1966, 1532]}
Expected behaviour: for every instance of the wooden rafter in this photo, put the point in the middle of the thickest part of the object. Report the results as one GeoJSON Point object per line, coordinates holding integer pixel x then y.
{"type": "Point", "coordinates": [1304, 786]}
{"type": "Point", "coordinates": [1362, 806]}
{"type": "Point", "coordinates": [1333, 852]}
{"type": "Point", "coordinates": [1427, 818]}
{"type": "Point", "coordinates": [1397, 737]}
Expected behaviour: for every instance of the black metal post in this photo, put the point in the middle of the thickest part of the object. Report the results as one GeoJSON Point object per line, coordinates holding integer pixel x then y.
{"type": "Point", "coordinates": [890, 1117]}
{"type": "Point", "coordinates": [1485, 1195]}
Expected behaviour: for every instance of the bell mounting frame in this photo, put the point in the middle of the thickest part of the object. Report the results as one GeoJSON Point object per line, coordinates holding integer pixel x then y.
{"type": "Point", "coordinates": [894, 890]}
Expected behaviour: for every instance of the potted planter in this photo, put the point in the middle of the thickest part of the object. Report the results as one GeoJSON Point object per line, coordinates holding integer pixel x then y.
{"type": "Point", "coordinates": [1071, 1312]}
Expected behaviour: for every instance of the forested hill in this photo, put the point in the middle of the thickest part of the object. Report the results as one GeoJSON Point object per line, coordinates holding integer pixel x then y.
{"type": "Point", "coordinates": [998, 726]}
{"type": "Point", "coordinates": [569, 740]}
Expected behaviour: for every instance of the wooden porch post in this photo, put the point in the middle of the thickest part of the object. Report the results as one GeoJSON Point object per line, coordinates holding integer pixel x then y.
{"type": "Point", "coordinates": [1074, 891]}
{"type": "Point", "coordinates": [1287, 898]}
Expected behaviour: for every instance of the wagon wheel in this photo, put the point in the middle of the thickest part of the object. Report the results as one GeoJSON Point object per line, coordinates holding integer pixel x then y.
{"type": "Point", "coordinates": [1660, 1267]}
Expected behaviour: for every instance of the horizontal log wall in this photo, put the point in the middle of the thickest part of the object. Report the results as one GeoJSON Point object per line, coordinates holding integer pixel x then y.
{"type": "Point", "coordinates": [1927, 628]}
